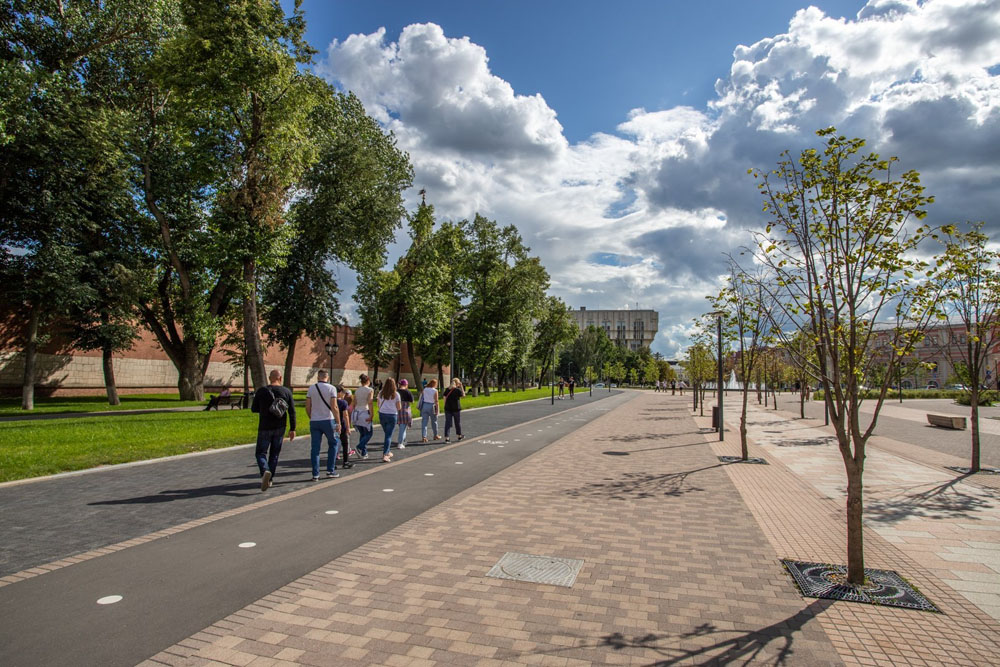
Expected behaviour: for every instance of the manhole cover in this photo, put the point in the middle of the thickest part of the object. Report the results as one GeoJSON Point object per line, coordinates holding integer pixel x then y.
{"type": "Point", "coordinates": [537, 569]}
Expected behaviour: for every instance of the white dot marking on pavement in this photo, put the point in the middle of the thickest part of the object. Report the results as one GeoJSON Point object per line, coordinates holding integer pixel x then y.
{"type": "Point", "coordinates": [458, 463]}
{"type": "Point", "coordinates": [333, 511]}
{"type": "Point", "coordinates": [428, 474]}
{"type": "Point", "coordinates": [110, 599]}
{"type": "Point", "coordinates": [482, 453]}
{"type": "Point", "coordinates": [247, 545]}
{"type": "Point", "coordinates": [499, 445]}
{"type": "Point", "coordinates": [388, 490]}
{"type": "Point", "coordinates": [517, 440]}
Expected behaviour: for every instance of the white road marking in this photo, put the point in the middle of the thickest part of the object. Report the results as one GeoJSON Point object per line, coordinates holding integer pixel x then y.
{"type": "Point", "coordinates": [388, 490]}
{"type": "Point", "coordinates": [110, 599]}
{"type": "Point", "coordinates": [247, 545]}
{"type": "Point", "coordinates": [428, 474]}
{"type": "Point", "coordinates": [333, 512]}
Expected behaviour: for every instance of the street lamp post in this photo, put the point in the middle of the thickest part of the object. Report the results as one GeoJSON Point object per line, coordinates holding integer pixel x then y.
{"type": "Point", "coordinates": [451, 363]}
{"type": "Point", "coordinates": [331, 349]}
{"type": "Point", "coordinates": [718, 315]}
{"type": "Point", "coordinates": [552, 376]}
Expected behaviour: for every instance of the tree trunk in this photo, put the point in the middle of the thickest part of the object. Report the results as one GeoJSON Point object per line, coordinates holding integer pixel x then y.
{"type": "Point", "coordinates": [191, 374]}
{"type": "Point", "coordinates": [744, 451]}
{"type": "Point", "coordinates": [30, 360]}
{"type": "Point", "coordinates": [974, 466]}
{"type": "Point", "coordinates": [803, 390]}
{"type": "Point", "coordinates": [701, 403]}
{"type": "Point", "coordinates": [855, 526]}
{"type": "Point", "coordinates": [694, 406]}
{"type": "Point", "coordinates": [109, 376]}
{"type": "Point", "coordinates": [441, 375]}
{"type": "Point", "coordinates": [246, 376]}
{"type": "Point", "coordinates": [251, 326]}
{"type": "Point", "coordinates": [290, 361]}
{"type": "Point", "coordinates": [411, 357]}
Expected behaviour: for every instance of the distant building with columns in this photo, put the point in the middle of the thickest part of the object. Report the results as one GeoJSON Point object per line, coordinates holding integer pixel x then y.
{"type": "Point", "coordinates": [628, 328]}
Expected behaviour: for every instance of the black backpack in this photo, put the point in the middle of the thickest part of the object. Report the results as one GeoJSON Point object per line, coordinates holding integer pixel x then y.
{"type": "Point", "coordinates": [278, 406]}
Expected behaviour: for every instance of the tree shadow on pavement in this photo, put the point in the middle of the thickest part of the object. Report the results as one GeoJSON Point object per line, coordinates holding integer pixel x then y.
{"type": "Point", "coordinates": [822, 441]}
{"type": "Point", "coordinates": [933, 501]}
{"type": "Point", "coordinates": [634, 485]}
{"type": "Point", "coordinates": [770, 645]}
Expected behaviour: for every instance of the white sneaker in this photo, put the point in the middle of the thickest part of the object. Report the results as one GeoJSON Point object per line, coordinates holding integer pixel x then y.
{"type": "Point", "coordinates": [401, 445]}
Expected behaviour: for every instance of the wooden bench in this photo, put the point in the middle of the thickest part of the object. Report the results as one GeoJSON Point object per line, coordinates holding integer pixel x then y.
{"type": "Point", "coordinates": [233, 401]}
{"type": "Point", "coordinates": [947, 421]}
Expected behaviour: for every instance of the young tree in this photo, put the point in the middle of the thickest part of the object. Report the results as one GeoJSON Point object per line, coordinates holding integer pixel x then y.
{"type": "Point", "coordinates": [554, 329]}
{"type": "Point", "coordinates": [971, 280]}
{"type": "Point", "coordinates": [651, 373]}
{"type": "Point", "coordinates": [842, 255]}
{"type": "Point", "coordinates": [700, 367]}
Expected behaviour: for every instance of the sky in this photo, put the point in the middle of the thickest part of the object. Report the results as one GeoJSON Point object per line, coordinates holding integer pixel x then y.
{"type": "Point", "coordinates": [617, 136]}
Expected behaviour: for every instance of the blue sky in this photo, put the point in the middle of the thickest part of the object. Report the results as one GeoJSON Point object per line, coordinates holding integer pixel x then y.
{"type": "Point", "coordinates": [617, 136]}
{"type": "Point", "coordinates": [593, 61]}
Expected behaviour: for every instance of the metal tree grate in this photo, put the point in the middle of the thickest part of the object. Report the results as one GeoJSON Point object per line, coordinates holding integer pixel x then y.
{"type": "Point", "coordinates": [537, 569]}
{"type": "Point", "coordinates": [739, 459]}
{"type": "Point", "coordinates": [883, 587]}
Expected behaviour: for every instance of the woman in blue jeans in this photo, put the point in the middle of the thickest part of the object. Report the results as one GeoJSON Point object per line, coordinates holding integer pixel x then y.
{"type": "Point", "coordinates": [389, 406]}
{"type": "Point", "coordinates": [429, 409]}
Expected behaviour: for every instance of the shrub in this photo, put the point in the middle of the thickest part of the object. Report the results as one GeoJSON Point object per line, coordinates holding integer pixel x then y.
{"type": "Point", "coordinates": [986, 398]}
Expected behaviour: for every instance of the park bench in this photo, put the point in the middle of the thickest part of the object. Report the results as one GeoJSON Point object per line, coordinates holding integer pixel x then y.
{"type": "Point", "coordinates": [947, 421]}
{"type": "Point", "coordinates": [233, 401]}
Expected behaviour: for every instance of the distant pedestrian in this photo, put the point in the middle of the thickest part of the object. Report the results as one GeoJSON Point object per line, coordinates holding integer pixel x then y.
{"type": "Point", "coordinates": [453, 409]}
{"type": "Point", "coordinates": [572, 387]}
{"type": "Point", "coordinates": [389, 406]}
{"type": "Point", "coordinates": [344, 406]}
{"type": "Point", "coordinates": [213, 401]}
{"type": "Point", "coordinates": [428, 406]}
{"type": "Point", "coordinates": [562, 387]}
{"type": "Point", "coordinates": [405, 416]}
{"type": "Point", "coordinates": [275, 405]}
{"type": "Point", "coordinates": [361, 415]}
{"type": "Point", "coordinates": [324, 419]}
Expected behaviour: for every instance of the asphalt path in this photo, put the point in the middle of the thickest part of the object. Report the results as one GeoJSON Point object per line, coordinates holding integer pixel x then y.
{"type": "Point", "coordinates": [174, 586]}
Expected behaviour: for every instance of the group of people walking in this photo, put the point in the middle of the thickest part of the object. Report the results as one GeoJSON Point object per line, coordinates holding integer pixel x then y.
{"type": "Point", "coordinates": [334, 411]}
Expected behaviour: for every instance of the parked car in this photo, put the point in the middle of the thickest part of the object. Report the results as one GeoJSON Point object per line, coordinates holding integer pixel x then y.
{"type": "Point", "coordinates": [957, 387]}
{"type": "Point", "coordinates": [599, 384]}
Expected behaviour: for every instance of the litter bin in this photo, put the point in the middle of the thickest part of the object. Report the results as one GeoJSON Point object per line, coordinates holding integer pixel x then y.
{"type": "Point", "coordinates": [715, 417]}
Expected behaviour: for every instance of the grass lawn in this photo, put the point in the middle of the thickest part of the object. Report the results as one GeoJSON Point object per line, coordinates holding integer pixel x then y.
{"type": "Point", "coordinates": [33, 448]}
{"type": "Point", "coordinates": [12, 406]}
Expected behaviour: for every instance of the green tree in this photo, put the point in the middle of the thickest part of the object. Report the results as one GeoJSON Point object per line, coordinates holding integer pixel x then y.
{"type": "Point", "coordinates": [371, 336]}
{"type": "Point", "coordinates": [699, 365]}
{"type": "Point", "coordinates": [554, 329]}
{"type": "Point", "coordinates": [239, 61]}
{"type": "Point", "coordinates": [843, 256]}
{"type": "Point", "coordinates": [651, 373]}
{"type": "Point", "coordinates": [971, 280]}
{"type": "Point", "coordinates": [502, 283]}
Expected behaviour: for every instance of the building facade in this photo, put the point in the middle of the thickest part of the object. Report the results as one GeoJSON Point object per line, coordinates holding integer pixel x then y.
{"type": "Point", "coordinates": [631, 329]}
{"type": "Point", "coordinates": [931, 365]}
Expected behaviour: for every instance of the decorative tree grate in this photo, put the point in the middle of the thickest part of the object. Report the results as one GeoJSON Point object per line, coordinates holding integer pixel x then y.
{"type": "Point", "coordinates": [739, 459]}
{"type": "Point", "coordinates": [882, 587]}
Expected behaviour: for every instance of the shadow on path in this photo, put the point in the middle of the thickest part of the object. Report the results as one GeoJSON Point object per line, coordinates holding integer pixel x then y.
{"type": "Point", "coordinates": [934, 501]}
{"type": "Point", "coordinates": [641, 485]}
{"type": "Point", "coordinates": [770, 645]}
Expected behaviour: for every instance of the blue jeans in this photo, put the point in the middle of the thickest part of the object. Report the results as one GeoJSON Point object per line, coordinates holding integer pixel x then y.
{"type": "Point", "coordinates": [388, 425]}
{"type": "Point", "coordinates": [317, 429]}
{"type": "Point", "coordinates": [365, 436]}
{"type": "Point", "coordinates": [268, 449]}
{"type": "Point", "coordinates": [427, 415]}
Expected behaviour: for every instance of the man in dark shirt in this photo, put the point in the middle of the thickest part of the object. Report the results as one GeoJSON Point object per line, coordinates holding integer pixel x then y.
{"type": "Point", "coordinates": [271, 429]}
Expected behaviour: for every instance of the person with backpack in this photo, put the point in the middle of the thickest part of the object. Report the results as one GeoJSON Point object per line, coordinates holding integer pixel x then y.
{"type": "Point", "coordinates": [389, 406]}
{"type": "Point", "coordinates": [405, 416]}
{"type": "Point", "coordinates": [324, 419]}
{"type": "Point", "coordinates": [344, 406]}
{"type": "Point", "coordinates": [361, 415]}
{"type": "Point", "coordinates": [275, 405]}
{"type": "Point", "coordinates": [453, 409]}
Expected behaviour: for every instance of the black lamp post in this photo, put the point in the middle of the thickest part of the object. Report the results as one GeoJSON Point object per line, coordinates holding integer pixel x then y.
{"type": "Point", "coordinates": [451, 363]}
{"type": "Point", "coordinates": [552, 376]}
{"type": "Point", "coordinates": [331, 349]}
{"type": "Point", "coordinates": [718, 323]}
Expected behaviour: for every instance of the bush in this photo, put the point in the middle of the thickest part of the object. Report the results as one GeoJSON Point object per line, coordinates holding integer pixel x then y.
{"type": "Point", "coordinates": [917, 393]}
{"type": "Point", "coordinates": [986, 398]}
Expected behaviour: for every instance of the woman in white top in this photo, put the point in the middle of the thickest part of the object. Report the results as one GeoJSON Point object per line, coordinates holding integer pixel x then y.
{"type": "Point", "coordinates": [429, 409]}
{"type": "Point", "coordinates": [388, 412]}
{"type": "Point", "coordinates": [361, 416]}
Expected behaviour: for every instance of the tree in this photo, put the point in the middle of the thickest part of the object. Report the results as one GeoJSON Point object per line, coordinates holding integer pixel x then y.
{"type": "Point", "coordinates": [371, 337]}
{"type": "Point", "coordinates": [502, 283]}
{"type": "Point", "coordinates": [239, 62]}
{"type": "Point", "coordinates": [842, 255]}
{"type": "Point", "coordinates": [62, 170]}
{"type": "Point", "coordinates": [555, 328]}
{"type": "Point", "coordinates": [700, 366]}
{"type": "Point", "coordinates": [651, 373]}
{"type": "Point", "coordinates": [971, 279]}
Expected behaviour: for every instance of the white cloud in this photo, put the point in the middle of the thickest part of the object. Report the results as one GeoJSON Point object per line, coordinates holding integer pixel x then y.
{"type": "Point", "coordinates": [667, 189]}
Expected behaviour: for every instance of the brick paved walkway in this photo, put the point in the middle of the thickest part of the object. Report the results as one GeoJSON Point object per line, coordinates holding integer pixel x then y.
{"type": "Point", "coordinates": [680, 567]}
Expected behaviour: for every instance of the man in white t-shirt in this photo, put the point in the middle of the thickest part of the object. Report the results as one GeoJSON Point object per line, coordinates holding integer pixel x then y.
{"type": "Point", "coordinates": [361, 417]}
{"type": "Point", "coordinates": [324, 419]}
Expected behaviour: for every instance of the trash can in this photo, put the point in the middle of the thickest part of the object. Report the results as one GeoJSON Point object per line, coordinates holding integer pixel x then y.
{"type": "Point", "coordinates": [715, 417]}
